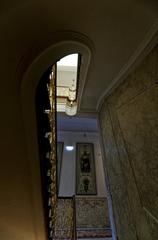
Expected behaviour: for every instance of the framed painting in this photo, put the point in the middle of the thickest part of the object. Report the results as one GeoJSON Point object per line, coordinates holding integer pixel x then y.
{"type": "Point", "coordinates": [60, 146]}
{"type": "Point", "coordinates": [85, 169]}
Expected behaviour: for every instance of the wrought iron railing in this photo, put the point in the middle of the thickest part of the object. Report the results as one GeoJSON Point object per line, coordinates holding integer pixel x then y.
{"type": "Point", "coordinates": [46, 123]}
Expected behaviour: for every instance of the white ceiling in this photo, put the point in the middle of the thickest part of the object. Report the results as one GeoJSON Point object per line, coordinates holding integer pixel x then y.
{"type": "Point", "coordinates": [115, 30]}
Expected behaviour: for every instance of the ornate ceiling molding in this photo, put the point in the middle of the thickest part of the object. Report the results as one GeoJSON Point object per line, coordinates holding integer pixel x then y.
{"type": "Point", "coordinates": [143, 49]}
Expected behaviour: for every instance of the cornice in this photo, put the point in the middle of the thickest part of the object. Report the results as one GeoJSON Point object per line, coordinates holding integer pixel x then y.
{"type": "Point", "coordinates": [141, 52]}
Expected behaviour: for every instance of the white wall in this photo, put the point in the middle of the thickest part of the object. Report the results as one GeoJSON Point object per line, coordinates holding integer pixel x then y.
{"type": "Point", "coordinates": [67, 180]}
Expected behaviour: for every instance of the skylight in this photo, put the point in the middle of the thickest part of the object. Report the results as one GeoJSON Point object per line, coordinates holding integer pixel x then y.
{"type": "Point", "coordinates": [70, 60]}
{"type": "Point", "coordinates": [66, 84]}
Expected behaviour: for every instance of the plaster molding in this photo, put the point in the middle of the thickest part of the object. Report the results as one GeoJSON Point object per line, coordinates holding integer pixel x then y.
{"type": "Point", "coordinates": [141, 52]}
{"type": "Point", "coordinates": [89, 133]}
{"type": "Point", "coordinates": [88, 114]}
{"type": "Point", "coordinates": [66, 43]}
{"type": "Point", "coordinates": [60, 44]}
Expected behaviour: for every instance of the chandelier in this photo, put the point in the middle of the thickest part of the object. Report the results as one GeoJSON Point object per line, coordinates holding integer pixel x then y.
{"type": "Point", "coordinates": [71, 103]}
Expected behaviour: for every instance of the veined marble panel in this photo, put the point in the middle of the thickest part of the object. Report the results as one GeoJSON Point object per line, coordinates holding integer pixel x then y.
{"type": "Point", "coordinates": [121, 206]}
{"type": "Point", "coordinates": [142, 78]}
{"type": "Point", "coordinates": [134, 208]}
{"type": "Point", "coordinates": [129, 124]}
{"type": "Point", "coordinates": [92, 213]}
{"type": "Point", "coordinates": [139, 124]}
{"type": "Point", "coordinates": [64, 219]}
{"type": "Point", "coordinates": [92, 218]}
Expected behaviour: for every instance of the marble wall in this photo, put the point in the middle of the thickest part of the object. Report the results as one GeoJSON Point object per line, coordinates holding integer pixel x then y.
{"type": "Point", "coordinates": [92, 213]}
{"type": "Point", "coordinates": [64, 223]}
{"type": "Point", "coordinates": [92, 218]}
{"type": "Point", "coordinates": [129, 128]}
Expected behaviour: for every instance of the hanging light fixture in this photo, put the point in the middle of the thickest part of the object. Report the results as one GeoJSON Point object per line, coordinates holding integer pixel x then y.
{"type": "Point", "coordinates": [72, 92]}
{"type": "Point", "coordinates": [71, 104]}
{"type": "Point", "coordinates": [71, 107]}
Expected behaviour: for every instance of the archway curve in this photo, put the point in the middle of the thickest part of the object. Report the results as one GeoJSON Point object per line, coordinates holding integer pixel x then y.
{"type": "Point", "coordinates": [27, 92]}
{"type": "Point", "coordinates": [48, 58]}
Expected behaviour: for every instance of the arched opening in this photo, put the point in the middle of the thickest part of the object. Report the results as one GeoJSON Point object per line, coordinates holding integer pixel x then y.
{"type": "Point", "coordinates": [72, 174]}
{"type": "Point", "coordinates": [30, 80]}
{"type": "Point", "coordinates": [28, 89]}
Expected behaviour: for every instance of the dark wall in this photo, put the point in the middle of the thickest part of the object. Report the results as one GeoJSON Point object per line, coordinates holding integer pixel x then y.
{"type": "Point", "coordinates": [129, 125]}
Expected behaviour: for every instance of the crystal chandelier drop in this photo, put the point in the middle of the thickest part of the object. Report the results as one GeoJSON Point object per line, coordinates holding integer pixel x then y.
{"type": "Point", "coordinates": [71, 103]}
